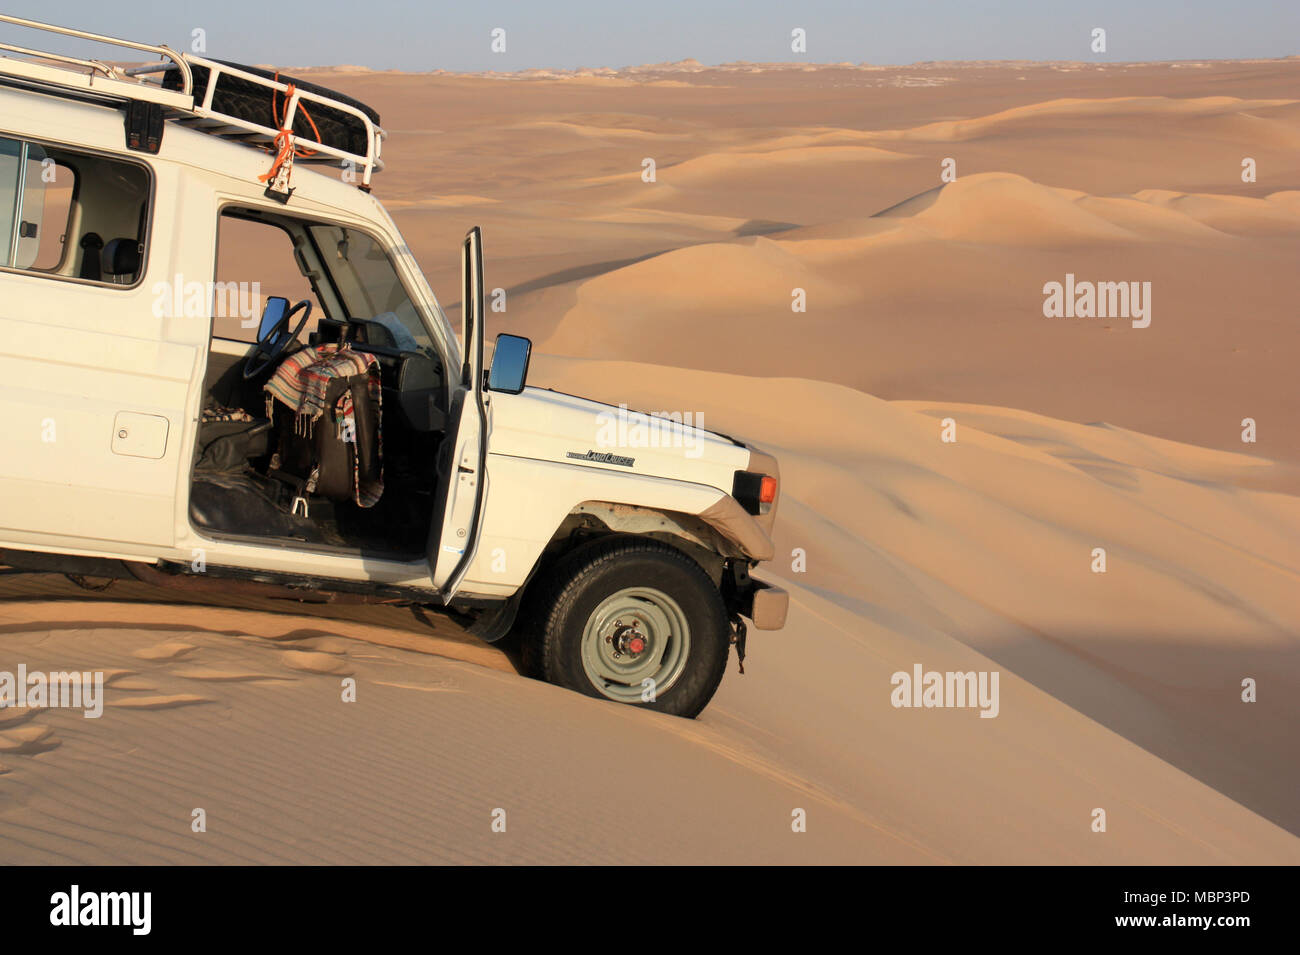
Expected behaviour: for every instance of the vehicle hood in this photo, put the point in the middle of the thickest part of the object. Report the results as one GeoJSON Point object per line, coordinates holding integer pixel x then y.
{"type": "Point", "coordinates": [552, 426]}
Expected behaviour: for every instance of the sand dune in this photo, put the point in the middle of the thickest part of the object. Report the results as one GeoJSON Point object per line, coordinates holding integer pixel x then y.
{"type": "Point", "coordinates": [1002, 208]}
{"type": "Point", "coordinates": [714, 167]}
{"type": "Point", "coordinates": [412, 772]}
{"type": "Point", "coordinates": [1236, 215]}
{"type": "Point", "coordinates": [870, 288]}
{"type": "Point", "coordinates": [1005, 208]}
{"type": "Point", "coordinates": [734, 275]}
{"type": "Point", "coordinates": [1102, 109]}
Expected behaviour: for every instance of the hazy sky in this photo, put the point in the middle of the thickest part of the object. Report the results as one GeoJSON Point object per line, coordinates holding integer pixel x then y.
{"type": "Point", "coordinates": [567, 33]}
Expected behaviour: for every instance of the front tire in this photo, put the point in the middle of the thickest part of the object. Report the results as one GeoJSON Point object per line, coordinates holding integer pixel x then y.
{"type": "Point", "coordinates": [637, 622]}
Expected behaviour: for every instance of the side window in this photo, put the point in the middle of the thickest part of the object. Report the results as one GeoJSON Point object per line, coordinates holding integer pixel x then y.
{"type": "Point", "coordinates": [23, 202]}
{"type": "Point", "coordinates": [56, 215]}
{"type": "Point", "coordinates": [254, 260]}
{"type": "Point", "coordinates": [71, 214]}
{"type": "Point", "coordinates": [10, 161]}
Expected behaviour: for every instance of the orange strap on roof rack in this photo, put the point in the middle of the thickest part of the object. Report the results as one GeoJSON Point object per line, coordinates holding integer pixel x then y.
{"type": "Point", "coordinates": [285, 150]}
{"type": "Point", "coordinates": [279, 120]}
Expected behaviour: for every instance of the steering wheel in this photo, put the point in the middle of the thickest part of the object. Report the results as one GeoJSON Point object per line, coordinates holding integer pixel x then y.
{"type": "Point", "coordinates": [272, 345]}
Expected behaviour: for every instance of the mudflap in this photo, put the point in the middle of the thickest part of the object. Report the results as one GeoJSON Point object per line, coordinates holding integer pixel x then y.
{"type": "Point", "coordinates": [738, 634]}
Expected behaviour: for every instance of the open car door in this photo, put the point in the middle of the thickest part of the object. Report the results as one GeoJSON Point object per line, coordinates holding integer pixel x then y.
{"type": "Point", "coordinates": [453, 539]}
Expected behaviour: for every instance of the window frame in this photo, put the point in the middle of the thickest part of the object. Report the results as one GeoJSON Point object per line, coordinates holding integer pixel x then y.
{"type": "Point", "coordinates": [229, 210]}
{"type": "Point", "coordinates": [66, 246]}
{"type": "Point", "coordinates": [150, 204]}
{"type": "Point", "coordinates": [305, 220]}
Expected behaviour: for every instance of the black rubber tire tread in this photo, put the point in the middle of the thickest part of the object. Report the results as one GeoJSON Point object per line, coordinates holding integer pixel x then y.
{"type": "Point", "coordinates": [562, 601]}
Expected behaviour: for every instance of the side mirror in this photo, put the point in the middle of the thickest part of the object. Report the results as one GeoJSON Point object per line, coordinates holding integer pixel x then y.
{"type": "Point", "coordinates": [272, 315]}
{"type": "Point", "coordinates": [510, 364]}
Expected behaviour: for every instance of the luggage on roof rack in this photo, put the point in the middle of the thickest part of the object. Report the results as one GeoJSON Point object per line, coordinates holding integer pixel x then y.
{"type": "Point", "coordinates": [256, 102]}
{"type": "Point", "coordinates": [242, 103]}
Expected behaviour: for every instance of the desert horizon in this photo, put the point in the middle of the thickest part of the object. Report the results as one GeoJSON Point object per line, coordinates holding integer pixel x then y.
{"type": "Point", "coordinates": [692, 65]}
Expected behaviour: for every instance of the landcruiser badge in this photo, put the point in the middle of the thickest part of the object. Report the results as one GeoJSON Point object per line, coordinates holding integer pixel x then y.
{"type": "Point", "coordinates": [601, 457]}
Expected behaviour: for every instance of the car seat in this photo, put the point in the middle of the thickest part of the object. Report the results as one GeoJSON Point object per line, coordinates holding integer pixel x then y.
{"type": "Point", "coordinates": [321, 458]}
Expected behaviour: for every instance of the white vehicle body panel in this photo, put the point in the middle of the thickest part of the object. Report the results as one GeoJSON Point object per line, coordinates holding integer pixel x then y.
{"type": "Point", "coordinates": [535, 484]}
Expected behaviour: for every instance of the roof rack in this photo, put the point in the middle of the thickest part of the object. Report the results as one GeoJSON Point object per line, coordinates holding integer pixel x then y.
{"type": "Point", "coordinates": [176, 98]}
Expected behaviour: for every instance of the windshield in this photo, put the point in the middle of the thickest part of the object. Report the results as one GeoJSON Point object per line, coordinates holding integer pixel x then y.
{"type": "Point", "coordinates": [362, 274]}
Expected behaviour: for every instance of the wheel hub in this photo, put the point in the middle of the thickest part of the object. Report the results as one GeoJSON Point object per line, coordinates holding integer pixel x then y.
{"type": "Point", "coordinates": [628, 639]}
{"type": "Point", "coordinates": [636, 638]}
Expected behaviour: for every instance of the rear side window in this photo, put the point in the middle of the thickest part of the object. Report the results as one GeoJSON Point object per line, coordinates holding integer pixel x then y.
{"type": "Point", "coordinates": [71, 214]}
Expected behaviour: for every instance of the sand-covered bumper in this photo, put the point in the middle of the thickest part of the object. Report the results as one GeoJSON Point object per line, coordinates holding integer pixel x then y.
{"type": "Point", "coordinates": [768, 605]}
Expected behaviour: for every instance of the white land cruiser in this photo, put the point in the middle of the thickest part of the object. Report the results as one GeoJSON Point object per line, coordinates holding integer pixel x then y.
{"type": "Point", "coordinates": [160, 424]}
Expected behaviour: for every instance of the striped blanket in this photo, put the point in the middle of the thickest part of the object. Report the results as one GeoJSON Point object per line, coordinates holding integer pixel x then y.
{"type": "Point", "coordinates": [302, 382]}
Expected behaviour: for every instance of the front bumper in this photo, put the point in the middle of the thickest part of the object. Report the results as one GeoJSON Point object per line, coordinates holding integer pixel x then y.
{"type": "Point", "coordinates": [767, 605]}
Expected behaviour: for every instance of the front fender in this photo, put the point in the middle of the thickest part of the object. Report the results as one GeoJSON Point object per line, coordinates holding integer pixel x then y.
{"type": "Point", "coordinates": [528, 500]}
